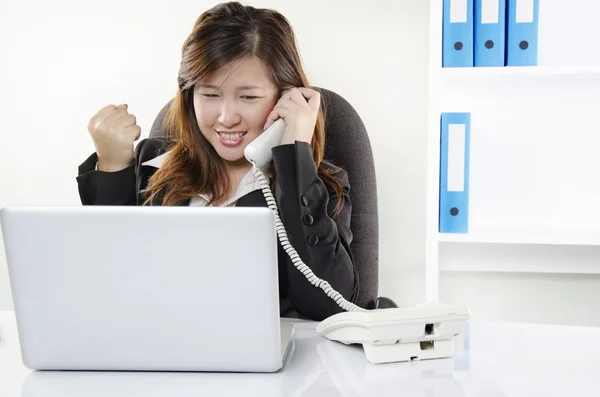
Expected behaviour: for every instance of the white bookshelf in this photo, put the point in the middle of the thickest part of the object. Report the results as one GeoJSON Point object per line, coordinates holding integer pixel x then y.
{"type": "Point", "coordinates": [449, 74]}
{"type": "Point", "coordinates": [534, 200]}
{"type": "Point", "coordinates": [544, 236]}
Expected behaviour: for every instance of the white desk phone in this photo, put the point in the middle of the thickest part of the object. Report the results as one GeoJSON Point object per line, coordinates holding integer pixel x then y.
{"type": "Point", "coordinates": [426, 331]}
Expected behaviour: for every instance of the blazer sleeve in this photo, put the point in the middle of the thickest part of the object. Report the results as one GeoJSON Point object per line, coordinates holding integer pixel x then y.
{"type": "Point", "coordinates": [108, 188]}
{"type": "Point", "coordinates": [322, 241]}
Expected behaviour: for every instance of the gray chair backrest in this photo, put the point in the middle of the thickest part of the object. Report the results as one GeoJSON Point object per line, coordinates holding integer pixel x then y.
{"type": "Point", "coordinates": [347, 145]}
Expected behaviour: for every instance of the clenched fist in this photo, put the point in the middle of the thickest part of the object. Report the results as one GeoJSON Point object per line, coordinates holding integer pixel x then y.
{"type": "Point", "coordinates": [114, 132]}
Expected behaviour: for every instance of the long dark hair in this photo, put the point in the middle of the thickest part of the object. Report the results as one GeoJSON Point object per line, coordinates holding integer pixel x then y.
{"type": "Point", "coordinates": [223, 34]}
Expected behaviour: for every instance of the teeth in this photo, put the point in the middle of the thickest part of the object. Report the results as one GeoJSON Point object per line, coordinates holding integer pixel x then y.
{"type": "Point", "coordinates": [232, 137]}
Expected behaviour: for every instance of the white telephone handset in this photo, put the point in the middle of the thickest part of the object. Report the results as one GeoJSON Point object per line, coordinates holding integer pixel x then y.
{"type": "Point", "coordinates": [258, 152]}
{"type": "Point", "coordinates": [387, 335]}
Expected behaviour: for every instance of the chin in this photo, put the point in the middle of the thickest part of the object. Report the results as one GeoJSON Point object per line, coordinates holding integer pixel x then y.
{"type": "Point", "coordinates": [235, 159]}
{"type": "Point", "coordinates": [232, 155]}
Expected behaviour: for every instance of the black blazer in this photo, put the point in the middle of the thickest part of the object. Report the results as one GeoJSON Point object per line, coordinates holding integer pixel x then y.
{"type": "Point", "coordinates": [305, 205]}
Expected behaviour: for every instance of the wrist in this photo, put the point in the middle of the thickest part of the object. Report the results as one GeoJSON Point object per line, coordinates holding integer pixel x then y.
{"type": "Point", "coordinates": [287, 140]}
{"type": "Point", "coordinates": [106, 166]}
{"type": "Point", "coordinates": [292, 140]}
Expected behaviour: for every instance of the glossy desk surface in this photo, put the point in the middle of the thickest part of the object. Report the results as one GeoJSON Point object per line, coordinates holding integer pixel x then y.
{"type": "Point", "coordinates": [498, 360]}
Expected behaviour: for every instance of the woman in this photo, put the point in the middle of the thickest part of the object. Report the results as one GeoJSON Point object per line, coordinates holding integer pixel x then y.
{"type": "Point", "coordinates": [240, 71]}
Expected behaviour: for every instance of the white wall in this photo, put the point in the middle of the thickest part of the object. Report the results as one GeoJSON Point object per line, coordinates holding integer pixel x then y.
{"type": "Point", "coordinates": [526, 297]}
{"type": "Point", "coordinates": [62, 60]}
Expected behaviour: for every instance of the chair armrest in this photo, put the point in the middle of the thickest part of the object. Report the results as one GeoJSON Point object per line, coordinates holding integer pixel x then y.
{"type": "Point", "coordinates": [384, 303]}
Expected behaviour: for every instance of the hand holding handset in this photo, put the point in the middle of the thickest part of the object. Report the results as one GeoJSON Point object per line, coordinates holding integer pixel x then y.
{"type": "Point", "coordinates": [387, 335]}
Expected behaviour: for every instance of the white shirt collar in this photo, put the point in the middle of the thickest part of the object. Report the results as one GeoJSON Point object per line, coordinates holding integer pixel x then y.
{"type": "Point", "coordinates": [248, 184]}
{"type": "Point", "coordinates": [157, 161]}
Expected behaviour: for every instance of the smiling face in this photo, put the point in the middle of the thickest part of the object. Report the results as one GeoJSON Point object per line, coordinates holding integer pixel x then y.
{"type": "Point", "coordinates": [232, 105]}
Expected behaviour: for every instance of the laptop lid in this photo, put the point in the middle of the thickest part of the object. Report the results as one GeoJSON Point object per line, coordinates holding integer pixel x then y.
{"type": "Point", "coordinates": [145, 288]}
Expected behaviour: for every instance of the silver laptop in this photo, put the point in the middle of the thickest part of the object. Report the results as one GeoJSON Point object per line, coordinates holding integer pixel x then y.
{"type": "Point", "coordinates": [146, 288]}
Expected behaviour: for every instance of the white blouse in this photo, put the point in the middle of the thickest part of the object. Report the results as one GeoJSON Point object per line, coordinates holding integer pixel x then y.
{"type": "Point", "coordinates": [248, 184]}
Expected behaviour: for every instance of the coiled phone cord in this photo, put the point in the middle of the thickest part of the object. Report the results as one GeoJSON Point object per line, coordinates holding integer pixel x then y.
{"type": "Point", "coordinates": [301, 266]}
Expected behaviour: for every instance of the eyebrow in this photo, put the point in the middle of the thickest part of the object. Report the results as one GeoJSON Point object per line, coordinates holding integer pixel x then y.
{"type": "Point", "coordinates": [245, 87]}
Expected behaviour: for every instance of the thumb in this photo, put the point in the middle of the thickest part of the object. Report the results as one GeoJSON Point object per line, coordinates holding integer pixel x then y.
{"type": "Point", "coordinates": [123, 106]}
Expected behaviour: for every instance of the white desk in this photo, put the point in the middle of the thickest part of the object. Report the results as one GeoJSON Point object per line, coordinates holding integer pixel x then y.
{"type": "Point", "coordinates": [499, 360]}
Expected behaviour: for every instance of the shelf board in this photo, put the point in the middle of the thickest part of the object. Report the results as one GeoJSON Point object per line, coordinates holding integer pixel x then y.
{"type": "Point", "coordinates": [545, 237]}
{"type": "Point", "coordinates": [517, 71]}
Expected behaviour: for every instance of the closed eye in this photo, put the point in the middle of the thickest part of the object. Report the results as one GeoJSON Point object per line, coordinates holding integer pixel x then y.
{"type": "Point", "coordinates": [249, 97]}
{"type": "Point", "coordinates": [210, 95]}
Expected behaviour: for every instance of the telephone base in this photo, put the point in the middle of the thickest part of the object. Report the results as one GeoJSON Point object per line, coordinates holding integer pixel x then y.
{"type": "Point", "coordinates": [398, 352]}
{"type": "Point", "coordinates": [426, 331]}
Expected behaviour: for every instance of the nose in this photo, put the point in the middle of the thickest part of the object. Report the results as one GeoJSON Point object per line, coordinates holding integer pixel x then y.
{"type": "Point", "coordinates": [228, 114]}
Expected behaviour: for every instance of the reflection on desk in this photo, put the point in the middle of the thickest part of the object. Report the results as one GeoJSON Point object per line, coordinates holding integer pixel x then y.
{"type": "Point", "coordinates": [499, 360]}
{"type": "Point", "coordinates": [317, 367]}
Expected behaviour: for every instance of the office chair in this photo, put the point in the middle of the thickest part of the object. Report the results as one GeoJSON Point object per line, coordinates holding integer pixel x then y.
{"type": "Point", "coordinates": [347, 145]}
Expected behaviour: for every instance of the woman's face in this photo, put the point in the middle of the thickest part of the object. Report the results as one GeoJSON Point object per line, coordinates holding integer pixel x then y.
{"type": "Point", "coordinates": [232, 105]}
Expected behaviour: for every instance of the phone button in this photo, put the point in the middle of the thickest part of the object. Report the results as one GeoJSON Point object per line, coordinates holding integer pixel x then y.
{"type": "Point", "coordinates": [304, 201]}
{"type": "Point", "coordinates": [313, 240]}
{"type": "Point", "coordinates": [308, 219]}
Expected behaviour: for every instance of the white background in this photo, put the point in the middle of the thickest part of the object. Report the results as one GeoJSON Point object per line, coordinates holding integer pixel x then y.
{"type": "Point", "coordinates": [63, 60]}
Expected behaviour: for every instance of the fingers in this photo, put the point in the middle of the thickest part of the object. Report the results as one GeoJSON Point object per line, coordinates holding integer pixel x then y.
{"type": "Point", "coordinates": [307, 92]}
{"type": "Point", "coordinates": [297, 98]}
{"type": "Point", "coordinates": [313, 97]}
{"type": "Point", "coordinates": [274, 115]}
{"type": "Point", "coordinates": [303, 96]}
{"type": "Point", "coordinates": [99, 116]}
{"type": "Point", "coordinates": [107, 113]}
{"type": "Point", "coordinates": [126, 120]}
{"type": "Point", "coordinates": [115, 115]}
{"type": "Point", "coordinates": [133, 132]}
{"type": "Point", "coordinates": [277, 113]}
{"type": "Point", "coordinates": [286, 92]}
{"type": "Point", "coordinates": [110, 109]}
